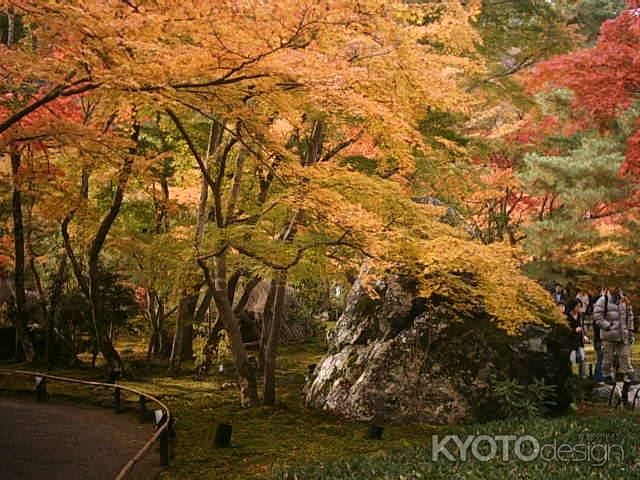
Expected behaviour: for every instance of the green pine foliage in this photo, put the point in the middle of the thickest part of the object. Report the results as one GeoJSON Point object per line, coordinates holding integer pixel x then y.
{"type": "Point", "coordinates": [574, 186]}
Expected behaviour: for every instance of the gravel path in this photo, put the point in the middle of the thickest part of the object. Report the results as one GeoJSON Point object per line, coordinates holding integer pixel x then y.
{"type": "Point", "coordinates": [62, 441]}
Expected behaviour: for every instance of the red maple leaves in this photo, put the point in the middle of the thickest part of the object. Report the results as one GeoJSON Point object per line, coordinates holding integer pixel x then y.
{"type": "Point", "coordinates": [605, 78]}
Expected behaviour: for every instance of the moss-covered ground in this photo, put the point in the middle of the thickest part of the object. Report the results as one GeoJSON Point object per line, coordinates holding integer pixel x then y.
{"type": "Point", "coordinates": [264, 439]}
{"type": "Point", "coordinates": [267, 441]}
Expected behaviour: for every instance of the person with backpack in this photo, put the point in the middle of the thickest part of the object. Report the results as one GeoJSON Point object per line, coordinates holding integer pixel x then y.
{"type": "Point", "coordinates": [614, 316]}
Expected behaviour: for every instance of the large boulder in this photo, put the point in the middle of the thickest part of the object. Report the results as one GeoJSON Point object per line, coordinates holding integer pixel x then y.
{"type": "Point", "coordinates": [396, 357]}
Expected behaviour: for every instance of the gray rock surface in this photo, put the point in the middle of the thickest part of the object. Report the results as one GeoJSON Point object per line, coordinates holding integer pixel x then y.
{"type": "Point", "coordinates": [602, 394]}
{"type": "Point", "coordinates": [398, 357]}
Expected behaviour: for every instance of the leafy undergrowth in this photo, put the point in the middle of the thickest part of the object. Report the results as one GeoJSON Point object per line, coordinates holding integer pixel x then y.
{"type": "Point", "coordinates": [292, 441]}
{"type": "Point", "coordinates": [601, 457]}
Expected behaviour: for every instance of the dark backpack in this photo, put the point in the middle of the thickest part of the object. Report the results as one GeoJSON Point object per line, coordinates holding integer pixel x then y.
{"type": "Point", "coordinates": [596, 327]}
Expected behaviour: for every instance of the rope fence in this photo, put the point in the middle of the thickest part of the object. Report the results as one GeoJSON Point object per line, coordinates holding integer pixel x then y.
{"type": "Point", "coordinates": [164, 421]}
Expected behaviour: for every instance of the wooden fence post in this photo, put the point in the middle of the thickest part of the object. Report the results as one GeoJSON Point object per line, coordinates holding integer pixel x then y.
{"type": "Point", "coordinates": [143, 408]}
{"type": "Point", "coordinates": [161, 420]}
{"type": "Point", "coordinates": [116, 400]}
{"type": "Point", "coordinates": [41, 389]}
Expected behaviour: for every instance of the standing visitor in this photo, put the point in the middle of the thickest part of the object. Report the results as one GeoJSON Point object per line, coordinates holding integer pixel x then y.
{"type": "Point", "coordinates": [585, 308]}
{"type": "Point", "coordinates": [614, 316]}
{"type": "Point", "coordinates": [584, 300]}
{"type": "Point", "coordinates": [560, 297]}
{"type": "Point", "coordinates": [578, 339]}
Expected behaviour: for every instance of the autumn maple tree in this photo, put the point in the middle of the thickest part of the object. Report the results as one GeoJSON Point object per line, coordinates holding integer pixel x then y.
{"type": "Point", "coordinates": [205, 146]}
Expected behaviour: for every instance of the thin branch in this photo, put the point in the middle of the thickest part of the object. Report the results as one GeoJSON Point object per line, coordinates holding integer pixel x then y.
{"type": "Point", "coordinates": [217, 190]}
{"type": "Point", "coordinates": [192, 148]}
{"type": "Point", "coordinates": [54, 93]}
{"type": "Point", "coordinates": [341, 146]}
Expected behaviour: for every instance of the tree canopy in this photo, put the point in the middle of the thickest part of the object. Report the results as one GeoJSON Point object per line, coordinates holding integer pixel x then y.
{"type": "Point", "coordinates": [190, 149]}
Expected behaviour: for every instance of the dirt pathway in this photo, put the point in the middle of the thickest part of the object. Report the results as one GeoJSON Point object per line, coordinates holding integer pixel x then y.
{"type": "Point", "coordinates": [62, 441]}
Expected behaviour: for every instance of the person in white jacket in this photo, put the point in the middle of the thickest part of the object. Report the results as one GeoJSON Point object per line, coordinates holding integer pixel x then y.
{"type": "Point", "coordinates": [614, 316]}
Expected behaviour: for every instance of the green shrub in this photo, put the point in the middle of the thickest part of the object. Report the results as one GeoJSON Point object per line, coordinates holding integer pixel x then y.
{"type": "Point", "coordinates": [416, 462]}
{"type": "Point", "coordinates": [515, 400]}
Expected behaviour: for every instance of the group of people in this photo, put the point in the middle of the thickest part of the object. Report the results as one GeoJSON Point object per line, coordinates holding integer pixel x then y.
{"type": "Point", "coordinates": [611, 316]}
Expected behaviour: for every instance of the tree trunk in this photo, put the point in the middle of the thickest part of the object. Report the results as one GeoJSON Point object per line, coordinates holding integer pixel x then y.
{"type": "Point", "coordinates": [215, 138]}
{"type": "Point", "coordinates": [64, 231]}
{"type": "Point", "coordinates": [235, 187]}
{"type": "Point", "coordinates": [313, 155]}
{"type": "Point", "coordinates": [38, 283]}
{"type": "Point", "coordinates": [105, 345]}
{"type": "Point", "coordinates": [151, 311]}
{"type": "Point", "coordinates": [315, 143]}
{"type": "Point", "coordinates": [162, 217]}
{"type": "Point", "coordinates": [54, 299]}
{"type": "Point", "coordinates": [203, 308]}
{"type": "Point", "coordinates": [183, 338]}
{"type": "Point", "coordinates": [103, 340]}
{"type": "Point", "coordinates": [270, 354]}
{"type": "Point", "coordinates": [267, 317]}
{"type": "Point", "coordinates": [246, 373]}
{"type": "Point", "coordinates": [10, 27]}
{"type": "Point", "coordinates": [187, 340]}
{"type": "Point", "coordinates": [204, 313]}
{"type": "Point", "coordinates": [248, 288]}
{"type": "Point", "coordinates": [32, 263]}
{"type": "Point", "coordinates": [160, 348]}
{"type": "Point", "coordinates": [186, 310]}
{"type": "Point", "coordinates": [176, 349]}
{"type": "Point", "coordinates": [19, 320]}
{"type": "Point", "coordinates": [218, 284]}
{"type": "Point", "coordinates": [155, 312]}
{"type": "Point", "coordinates": [187, 336]}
